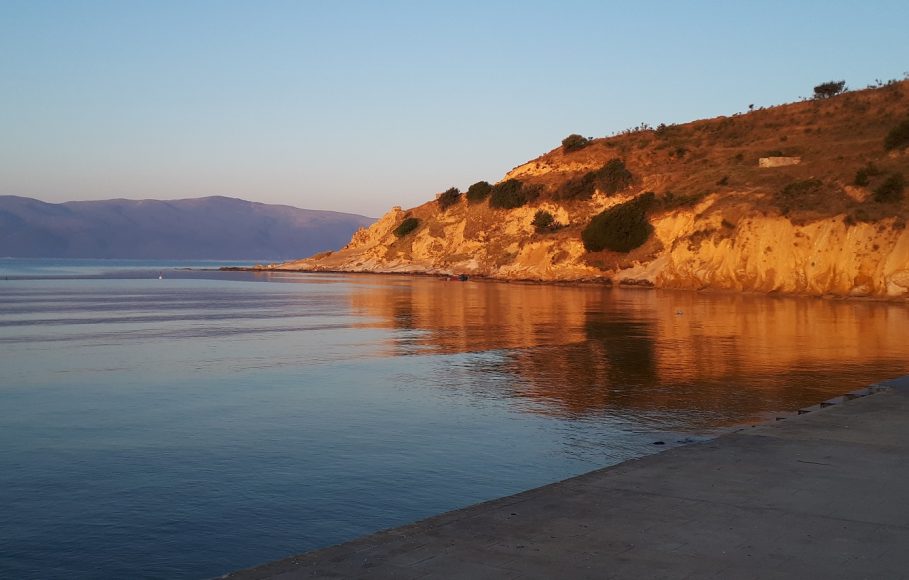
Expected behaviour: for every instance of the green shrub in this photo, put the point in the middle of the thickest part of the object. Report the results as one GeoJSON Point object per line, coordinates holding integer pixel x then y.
{"type": "Point", "coordinates": [574, 142]}
{"type": "Point", "coordinates": [406, 226]}
{"type": "Point", "coordinates": [543, 221]}
{"type": "Point", "coordinates": [863, 176]}
{"type": "Point", "coordinates": [450, 197]}
{"type": "Point", "coordinates": [614, 176]}
{"type": "Point", "coordinates": [478, 191]}
{"type": "Point", "coordinates": [891, 190]}
{"type": "Point", "coordinates": [898, 137]}
{"type": "Point", "coordinates": [611, 178]}
{"type": "Point", "coordinates": [829, 89]}
{"type": "Point", "coordinates": [511, 193]}
{"type": "Point", "coordinates": [621, 228]}
{"type": "Point", "coordinates": [579, 187]}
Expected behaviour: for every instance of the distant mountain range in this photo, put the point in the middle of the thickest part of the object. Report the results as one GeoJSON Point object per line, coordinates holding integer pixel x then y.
{"type": "Point", "coordinates": [204, 228]}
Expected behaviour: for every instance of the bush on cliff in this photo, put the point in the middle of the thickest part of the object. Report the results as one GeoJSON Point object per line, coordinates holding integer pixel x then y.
{"type": "Point", "coordinates": [511, 194]}
{"type": "Point", "coordinates": [863, 176]}
{"type": "Point", "coordinates": [611, 178]}
{"type": "Point", "coordinates": [450, 197]}
{"type": "Point", "coordinates": [543, 221]}
{"type": "Point", "coordinates": [581, 187]}
{"type": "Point", "coordinates": [478, 191]}
{"type": "Point", "coordinates": [406, 226]}
{"type": "Point", "coordinates": [614, 176]}
{"type": "Point", "coordinates": [898, 137]}
{"type": "Point", "coordinates": [574, 142]}
{"type": "Point", "coordinates": [891, 190]}
{"type": "Point", "coordinates": [620, 228]}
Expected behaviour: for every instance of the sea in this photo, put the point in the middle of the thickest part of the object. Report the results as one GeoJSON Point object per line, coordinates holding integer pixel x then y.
{"type": "Point", "coordinates": [170, 420]}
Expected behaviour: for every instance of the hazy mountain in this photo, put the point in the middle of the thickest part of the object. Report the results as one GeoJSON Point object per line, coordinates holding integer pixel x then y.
{"type": "Point", "coordinates": [208, 227]}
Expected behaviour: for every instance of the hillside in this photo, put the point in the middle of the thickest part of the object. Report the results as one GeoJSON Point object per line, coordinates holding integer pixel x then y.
{"type": "Point", "coordinates": [683, 206]}
{"type": "Point", "coordinates": [204, 228]}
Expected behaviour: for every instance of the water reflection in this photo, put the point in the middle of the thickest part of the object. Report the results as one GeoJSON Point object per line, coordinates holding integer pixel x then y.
{"type": "Point", "coordinates": [138, 415]}
{"type": "Point", "coordinates": [702, 360]}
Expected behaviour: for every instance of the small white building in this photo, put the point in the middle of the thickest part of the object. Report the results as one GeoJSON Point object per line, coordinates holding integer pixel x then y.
{"type": "Point", "coordinates": [778, 161]}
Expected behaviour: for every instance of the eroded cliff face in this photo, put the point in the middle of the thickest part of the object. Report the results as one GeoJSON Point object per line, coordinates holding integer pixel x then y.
{"type": "Point", "coordinates": [693, 248]}
{"type": "Point", "coordinates": [721, 219]}
{"type": "Point", "coordinates": [771, 254]}
{"type": "Point", "coordinates": [465, 239]}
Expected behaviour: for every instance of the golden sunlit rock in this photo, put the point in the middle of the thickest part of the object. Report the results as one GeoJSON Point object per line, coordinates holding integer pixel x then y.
{"type": "Point", "coordinates": [724, 218]}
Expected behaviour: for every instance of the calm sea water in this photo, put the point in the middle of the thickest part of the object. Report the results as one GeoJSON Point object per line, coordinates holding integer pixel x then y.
{"type": "Point", "coordinates": [208, 421]}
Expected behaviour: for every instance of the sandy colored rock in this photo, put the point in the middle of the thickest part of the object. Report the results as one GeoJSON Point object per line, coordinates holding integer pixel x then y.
{"type": "Point", "coordinates": [719, 221]}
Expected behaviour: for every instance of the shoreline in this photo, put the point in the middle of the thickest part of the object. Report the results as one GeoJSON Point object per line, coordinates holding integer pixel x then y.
{"type": "Point", "coordinates": [756, 501]}
{"type": "Point", "coordinates": [604, 283]}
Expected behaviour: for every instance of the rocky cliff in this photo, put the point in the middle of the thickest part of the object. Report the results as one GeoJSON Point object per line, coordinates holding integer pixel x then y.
{"type": "Point", "coordinates": [830, 220]}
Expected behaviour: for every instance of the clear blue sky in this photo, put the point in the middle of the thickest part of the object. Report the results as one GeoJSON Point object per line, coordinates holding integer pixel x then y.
{"type": "Point", "coordinates": [358, 106]}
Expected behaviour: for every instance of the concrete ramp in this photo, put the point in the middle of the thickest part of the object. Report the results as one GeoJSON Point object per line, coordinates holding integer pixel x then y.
{"type": "Point", "coordinates": [824, 494]}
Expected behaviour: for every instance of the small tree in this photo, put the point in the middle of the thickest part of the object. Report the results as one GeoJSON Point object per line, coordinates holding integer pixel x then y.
{"type": "Point", "coordinates": [543, 221]}
{"type": "Point", "coordinates": [450, 197]}
{"type": "Point", "coordinates": [898, 137]}
{"type": "Point", "coordinates": [478, 191]}
{"type": "Point", "coordinates": [574, 142]}
{"type": "Point", "coordinates": [406, 226]}
{"type": "Point", "coordinates": [829, 89]}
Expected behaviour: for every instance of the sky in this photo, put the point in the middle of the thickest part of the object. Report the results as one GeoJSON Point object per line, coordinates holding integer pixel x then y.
{"type": "Point", "coordinates": [359, 106]}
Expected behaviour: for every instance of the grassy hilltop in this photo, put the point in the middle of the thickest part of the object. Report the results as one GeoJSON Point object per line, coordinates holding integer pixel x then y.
{"type": "Point", "coordinates": [806, 197]}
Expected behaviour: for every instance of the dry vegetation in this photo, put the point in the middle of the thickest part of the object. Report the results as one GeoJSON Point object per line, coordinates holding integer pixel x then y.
{"type": "Point", "coordinates": [836, 137]}
{"type": "Point", "coordinates": [683, 206]}
{"type": "Point", "coordinates": [603, 196]}
{"type": "Point", "coordinates": [854, 161]}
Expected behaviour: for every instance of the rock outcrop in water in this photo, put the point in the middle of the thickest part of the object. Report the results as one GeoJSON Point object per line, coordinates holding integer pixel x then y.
{"type": "Point", "coordinates": [833, 224]}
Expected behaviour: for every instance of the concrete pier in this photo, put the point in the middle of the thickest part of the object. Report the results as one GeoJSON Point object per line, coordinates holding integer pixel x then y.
{"type": "Point", "coordinates": [823, 494]}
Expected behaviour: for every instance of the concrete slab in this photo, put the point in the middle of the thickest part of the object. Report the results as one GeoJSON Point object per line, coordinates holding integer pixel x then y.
{"type": "Point", "coordinates": [819, 495]}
